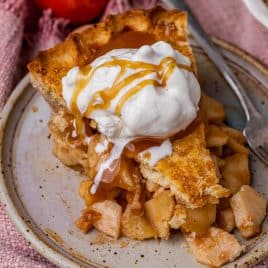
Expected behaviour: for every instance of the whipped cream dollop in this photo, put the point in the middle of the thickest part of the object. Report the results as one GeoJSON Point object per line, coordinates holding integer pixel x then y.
{"type": "Point", "coordinates": [134, 93]}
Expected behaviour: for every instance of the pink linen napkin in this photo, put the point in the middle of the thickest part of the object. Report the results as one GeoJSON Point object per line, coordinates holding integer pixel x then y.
{"type": "Point", "coordinates": [12, 14]}
{"type": "Point", "coordinates": [230, 20]}
{"type": "Point", "coordinates": [20, 41]}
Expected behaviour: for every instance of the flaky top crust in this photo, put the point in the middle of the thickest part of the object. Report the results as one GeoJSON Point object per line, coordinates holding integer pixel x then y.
{"type": "Point", "coordinates": [82, 45]}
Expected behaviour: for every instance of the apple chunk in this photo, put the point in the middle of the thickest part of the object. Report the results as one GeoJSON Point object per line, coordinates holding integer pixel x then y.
{"type": "Point", "coordinates": [225, 219]}
{"type": "Point", "coordinates": [159, 211]}
{"type": "Point", "coordinates": [198, 220]}
{"type": "Point", "coordinates": [110, 217]}
{"type": "Point", "coordinates": [136, 227]}
{"type": "Point", "coordinates": [249, 209]}
{"type": "Point", "coordinates": [236, 172]}
{"type": "Point", "coordinates": [214, 248]}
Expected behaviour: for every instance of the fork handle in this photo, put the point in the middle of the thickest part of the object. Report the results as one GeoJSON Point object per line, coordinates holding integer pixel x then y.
{"type": "Point", "coordinates": [213, 53]}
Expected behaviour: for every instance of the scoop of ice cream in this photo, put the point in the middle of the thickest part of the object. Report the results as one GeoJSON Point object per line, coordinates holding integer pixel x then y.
{"type": "Point", "coordinates": [156, 110]}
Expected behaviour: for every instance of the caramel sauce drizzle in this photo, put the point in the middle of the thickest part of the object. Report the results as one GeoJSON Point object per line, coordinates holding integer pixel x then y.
{"type": "Point", "coordinates": [163, 70]}
{"type": "Point", "coordinates": [109, 94]}
{"type": "Point", "coordinates": [132, 92]}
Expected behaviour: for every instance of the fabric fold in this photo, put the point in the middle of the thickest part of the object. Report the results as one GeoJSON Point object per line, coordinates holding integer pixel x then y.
{"type": "Point", "coordinates": [12, 15]}
{"type": "Point", "coordinates": [51, 31]}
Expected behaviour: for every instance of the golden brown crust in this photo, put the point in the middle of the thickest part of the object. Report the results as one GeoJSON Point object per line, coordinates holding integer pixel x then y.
{"type": "Point", "coordinates": [189, 172]}
{"type": "Point", "coordinates": [81, 46]}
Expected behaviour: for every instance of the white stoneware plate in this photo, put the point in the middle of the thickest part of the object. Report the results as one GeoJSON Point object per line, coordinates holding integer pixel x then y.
{"type": "Point", "coordinates": [41, 195]}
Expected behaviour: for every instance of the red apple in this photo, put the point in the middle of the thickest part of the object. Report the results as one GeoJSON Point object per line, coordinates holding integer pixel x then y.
{"type": "Point", "coordinates": [77, 11]}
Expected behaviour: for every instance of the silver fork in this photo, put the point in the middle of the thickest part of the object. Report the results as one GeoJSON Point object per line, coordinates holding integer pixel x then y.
{"type": "Point", "coordinates": [256, 133]}
{"type": "Point", "coordinates": [256, 129]}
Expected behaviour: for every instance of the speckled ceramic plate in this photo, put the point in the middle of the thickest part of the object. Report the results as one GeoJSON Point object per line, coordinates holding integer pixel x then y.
{"type": "Point", "coordinates": [41, 195]}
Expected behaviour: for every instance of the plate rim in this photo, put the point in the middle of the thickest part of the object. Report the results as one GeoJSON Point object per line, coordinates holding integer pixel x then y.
{"type": "Point", "coordinates": [36, 242]}
{"type": "Point", "coordinates": [21, 226]}
{"type": "Point", "coordinates": [241, 53]}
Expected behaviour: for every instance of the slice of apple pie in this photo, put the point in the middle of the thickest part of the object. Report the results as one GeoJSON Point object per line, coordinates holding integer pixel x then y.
{"type": "Point", "coordinates": [129, 113]}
